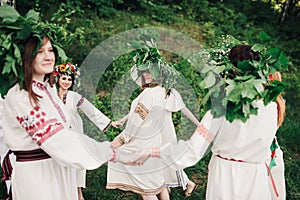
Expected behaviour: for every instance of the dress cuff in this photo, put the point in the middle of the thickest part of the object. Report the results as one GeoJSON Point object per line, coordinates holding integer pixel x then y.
{"type": "Point", "coordinates": [113, 156]}
{"type": "Point", "coordinates": [107, 127]}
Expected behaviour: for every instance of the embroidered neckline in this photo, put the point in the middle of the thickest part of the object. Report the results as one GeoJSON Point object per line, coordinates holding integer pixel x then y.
{"type": "Point", "coordinates": [64, 97]}
{"type": "Point", "coordinates": [38, 84]}
{"type": "Point", "coordinates": [42, 86]}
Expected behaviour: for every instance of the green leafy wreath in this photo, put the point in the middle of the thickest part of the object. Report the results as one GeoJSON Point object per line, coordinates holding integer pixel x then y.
{"type": "Point", "coordinates": [236, 88]}
{"type": "Point", "coordinates": [146, 56]}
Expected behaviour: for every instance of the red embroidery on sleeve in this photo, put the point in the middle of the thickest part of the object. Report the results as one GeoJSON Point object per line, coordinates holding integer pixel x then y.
{"type": "Point", "coordinates": [39, 128]}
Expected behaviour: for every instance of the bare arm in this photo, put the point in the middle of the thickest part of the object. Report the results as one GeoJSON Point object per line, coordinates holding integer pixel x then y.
{"type": "Point", "coordinates": [190, 115]}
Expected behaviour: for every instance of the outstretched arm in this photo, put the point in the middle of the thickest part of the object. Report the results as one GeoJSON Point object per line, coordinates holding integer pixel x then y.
{"type": "Point", "coordinates": [190, 115]}
{"type": "Point", "coordinates": [94, 114]}
{"type": "Point", "coordinates": [184, 154]}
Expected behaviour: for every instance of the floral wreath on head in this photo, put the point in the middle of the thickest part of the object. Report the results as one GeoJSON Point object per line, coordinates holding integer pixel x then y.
{"type": "Point", "coordinates": [66, 68]}
{"type": "Point", "coordinates": [235, 88]}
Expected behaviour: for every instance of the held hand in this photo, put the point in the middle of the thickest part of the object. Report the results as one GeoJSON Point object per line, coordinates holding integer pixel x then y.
{"type": "Point", "coordinates": [116, 143]}
{"type": "Point", "coordinates": [135, 158]}
{"type": "Point", "coordinates": [141, 157]}
{"type": "Point", "coordinates": [115, 124]}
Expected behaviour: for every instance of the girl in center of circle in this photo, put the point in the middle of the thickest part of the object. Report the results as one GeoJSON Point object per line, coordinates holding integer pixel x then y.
{"type": "Point", "coordinates": [65, 76]}
{"type": "Point", "coordinates": [151, 179]}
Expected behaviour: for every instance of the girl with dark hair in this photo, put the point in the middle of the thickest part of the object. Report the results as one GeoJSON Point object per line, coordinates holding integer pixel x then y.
{"type": "Point", "coordinates": [36, 129]}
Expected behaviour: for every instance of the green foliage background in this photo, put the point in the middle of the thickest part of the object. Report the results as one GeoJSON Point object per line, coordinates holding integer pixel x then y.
{"type": "Point", "coordinates": [203, 20]}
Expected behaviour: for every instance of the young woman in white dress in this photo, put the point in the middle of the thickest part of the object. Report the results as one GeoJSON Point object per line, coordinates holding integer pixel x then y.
{"type": "Point", "coordinates": [36, 128]}
{"type": "Point", "coordinates": [65, 75]}
{"type": "Point", "coordinates": [238, 168]}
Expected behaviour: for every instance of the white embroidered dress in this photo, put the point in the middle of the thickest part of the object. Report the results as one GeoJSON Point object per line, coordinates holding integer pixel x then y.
{"type": "Point", "coordinates": [144, 130]}
{"type": "Point", "coordinates": [73, 102]}
{"type": "Point", "coordinates": [247, 143]}
{"type": "Point", "coordinates": [47, 126]}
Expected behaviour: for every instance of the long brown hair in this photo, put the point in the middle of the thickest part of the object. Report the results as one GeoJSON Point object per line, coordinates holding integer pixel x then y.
{"type": "Point", "coordinates": [28, 56]}
{"type": "Point", "coordinates": [280, 102]}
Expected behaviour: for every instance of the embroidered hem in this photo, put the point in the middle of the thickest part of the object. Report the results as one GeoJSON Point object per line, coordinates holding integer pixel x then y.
{"type": "Point", "coordinates": [135, 189]}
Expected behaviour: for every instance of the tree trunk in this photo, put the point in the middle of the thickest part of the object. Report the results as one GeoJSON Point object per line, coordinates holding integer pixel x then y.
{"type": "Point", "coordinates": [284, 12]}
{"type": "Point", "coordinates": [8, 2]}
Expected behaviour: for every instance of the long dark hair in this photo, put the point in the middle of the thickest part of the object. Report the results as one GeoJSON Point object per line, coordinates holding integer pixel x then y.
{"type": "Point", "coordinates": [30, 46]}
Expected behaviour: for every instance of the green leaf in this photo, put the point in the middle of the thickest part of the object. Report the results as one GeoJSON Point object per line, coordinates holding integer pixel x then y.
{"type": "Point", "coordinates": [150, 44]}
{"type": "Point", "coordinates": [6, 41]}
{"type": "Point", "coordinates": [17, 54]}
{"type": "Point", "coordinates": [9, 14]}
{"type": "Point", "coordinates": [154, 71]}
{"type": "Point", "coordinates": [273, 52]}
{"type": "Point", "coordinates": [258, 47]}
{"type": "Point", "coordinates": [257, 84]}
{"type": "Point", "coordinates": [209, 80]}
{"type": "Point", "coordinates": [61, 53]}
{"type": "Point", "coordinates": [205, 69]}
{"type": "Point", "coordinates": [248, 93]}
{"type": "Point", "coordinates": [245, 65]}
{"type": "Point", "coordinates": [24, 33]}
{"type": "Point", "coordinates": [233, 93]}
{"type": "Point", "coordinates": [8, 65]}
{"type": "Point", "coordinates": [14, 26]}
{"type": "Point", "coordinates": [263, 36]}
{"type": "Point", "coordinates": [145, 56]}
{"type": "Point", "coordinates": [32, 17]}
{"type": "Point", "coordinates": [143, 67]}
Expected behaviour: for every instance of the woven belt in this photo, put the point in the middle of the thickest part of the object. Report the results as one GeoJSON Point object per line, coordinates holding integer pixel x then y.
{"type": "Point", "coordinates": [22, 156]}
{"type": "Point", "coordinates": [230, 159]}
{"type": "Point", "coordinates": [31, 155]}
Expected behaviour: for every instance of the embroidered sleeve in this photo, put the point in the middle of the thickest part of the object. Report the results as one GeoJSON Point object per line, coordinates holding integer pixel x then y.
{"type": "Point", "coordinates": [141, 110]}
{"type": "Point", "coordinates": [38, 127]}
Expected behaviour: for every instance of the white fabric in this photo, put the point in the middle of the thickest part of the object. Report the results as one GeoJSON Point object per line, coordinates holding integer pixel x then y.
{"type": "Point", "coordinates": [75, 101]}
{"type": "Point", "coordinates": [3, 148]}
{"type": "Point", "coordinates": [156, 129]}
{"type": "Point", "coordinates": [94, 114]}
{"type": "Point", "coordinates": [52, 178]}
{"type": "Point", "coordinates": [249, 142]}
